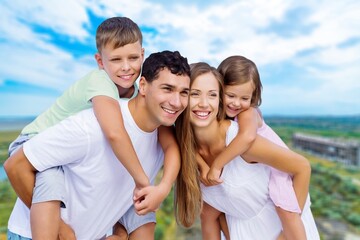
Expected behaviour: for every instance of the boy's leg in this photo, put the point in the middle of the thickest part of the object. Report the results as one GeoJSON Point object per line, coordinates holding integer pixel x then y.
{"type": "Point", "coordinates": [14, 236]}
{"type": "Point", "coordinates": [210, 225]}
{"type": "Point", "coordinates": [120, 232]}
{"type": "Point", "coordinates": [45, 220]}
{"type": "Point", "coordinates": [48, 195]}
{"type": "Point", "coordinates": [145, 232]}
{"type": "Point", "coordinates": [139, 227]}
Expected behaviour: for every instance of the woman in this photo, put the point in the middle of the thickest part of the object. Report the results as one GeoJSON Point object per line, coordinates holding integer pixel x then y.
{"type": "Point", "coordinates": [243, 196]}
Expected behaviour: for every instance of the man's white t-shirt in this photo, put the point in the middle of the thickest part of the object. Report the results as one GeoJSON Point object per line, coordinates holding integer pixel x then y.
{"type": "Point", "coordinates": [98, 186]}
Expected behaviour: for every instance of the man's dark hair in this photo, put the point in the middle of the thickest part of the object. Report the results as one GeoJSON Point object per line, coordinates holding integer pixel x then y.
{"type": "Point", "coordinates": [156, 62]}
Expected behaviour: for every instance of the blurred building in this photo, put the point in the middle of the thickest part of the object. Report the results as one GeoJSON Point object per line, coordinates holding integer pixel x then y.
{"type": "Point", "coordinates": [339, 150]}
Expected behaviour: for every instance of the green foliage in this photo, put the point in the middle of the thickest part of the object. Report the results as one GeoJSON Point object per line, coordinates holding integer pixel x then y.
{"type": "Point", "coordinates": [5, 139]}
{"type": "Point", "coordinates": [7, 200]}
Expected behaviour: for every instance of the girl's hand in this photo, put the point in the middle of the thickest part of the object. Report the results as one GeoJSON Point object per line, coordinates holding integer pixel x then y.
{"type": "Point", "coordinates": [213, 176]}
{"type": "Point", "coordinates": [204, 170]}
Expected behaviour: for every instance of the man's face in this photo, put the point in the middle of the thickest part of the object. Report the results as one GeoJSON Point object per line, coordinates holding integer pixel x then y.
{"type": "Point", "coordinates": [166, 97]}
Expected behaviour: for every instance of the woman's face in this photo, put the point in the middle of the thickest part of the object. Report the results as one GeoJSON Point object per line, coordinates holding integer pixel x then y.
{"type": "Point", "coordinates": [204, 100]}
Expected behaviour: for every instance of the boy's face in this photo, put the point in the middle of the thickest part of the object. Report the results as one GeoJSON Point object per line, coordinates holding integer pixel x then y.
{"type": "Point", "coordinates": [166, 97]}
{"type": "Point", "coordinates": [237, 98]}
{"type": "Point", "coordinates": [123, 64]}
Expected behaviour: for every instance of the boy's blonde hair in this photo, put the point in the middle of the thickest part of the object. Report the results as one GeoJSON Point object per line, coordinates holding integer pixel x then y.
{"type": "Point", "coordinates": [239, 70]}
{"type": "Point", "coordinates": [117, 31]}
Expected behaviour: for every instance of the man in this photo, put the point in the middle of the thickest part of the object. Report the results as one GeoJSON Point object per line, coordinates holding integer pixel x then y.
{"type": "Point", "coordinates": [99, 189]}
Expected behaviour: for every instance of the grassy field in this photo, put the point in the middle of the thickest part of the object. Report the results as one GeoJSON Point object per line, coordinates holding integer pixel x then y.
{"type": "Point", "coordinates": [334, 188]}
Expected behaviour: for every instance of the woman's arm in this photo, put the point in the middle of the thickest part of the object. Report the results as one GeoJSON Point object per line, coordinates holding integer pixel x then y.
{"type": "Point", "coordinates": [266, 152]}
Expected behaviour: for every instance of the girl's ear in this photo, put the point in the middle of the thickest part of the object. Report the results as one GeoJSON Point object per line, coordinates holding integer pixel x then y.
{"type": "Point", "coordinates": [142, 85]}
{"type": "Point", "coordinates": [99, 60]}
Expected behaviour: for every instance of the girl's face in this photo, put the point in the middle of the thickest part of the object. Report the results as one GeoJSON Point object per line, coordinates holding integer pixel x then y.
{"type": "Point", "coordinates": [238, 98]}
{"type": "Point", "coordinates": [204, 100]}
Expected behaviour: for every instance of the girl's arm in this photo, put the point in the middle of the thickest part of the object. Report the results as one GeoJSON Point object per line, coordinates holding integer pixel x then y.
{"type": "Point", "coordinates": [248, 125]}
{"type": "Point", "coordinates": [152, 196]}
{"type": "Point", "coordinates": [203, 169]}
{"type": "Point", "coordinates": [108, 114]}
{"type": "Point", "coordinates": [266, 152]}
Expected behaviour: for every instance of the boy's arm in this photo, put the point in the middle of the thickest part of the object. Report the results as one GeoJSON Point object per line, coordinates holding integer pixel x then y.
{"type": "Point", "coordinates": [21, 175]}
{"type": "Point", "coordinates": [150, 198]}
{"type": "Point", "coordinates": [248, 125]}
{"type": "Point", "coordinates": [108, 114]}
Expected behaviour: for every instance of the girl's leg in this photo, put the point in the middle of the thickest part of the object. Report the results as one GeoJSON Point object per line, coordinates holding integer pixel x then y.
{"type": "Point", "coordinates": [293, 227]}
{"type": "Point", "coordinates": [210, 225]}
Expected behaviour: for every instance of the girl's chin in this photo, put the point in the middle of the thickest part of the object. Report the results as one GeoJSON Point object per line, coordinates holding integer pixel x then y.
{"type": "Point", "coordinates": [232, 115]}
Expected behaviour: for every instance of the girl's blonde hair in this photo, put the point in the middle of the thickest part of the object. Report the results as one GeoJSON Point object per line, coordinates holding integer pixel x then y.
{"type": "Point", "coordinates": [188, 200]}
{"type": "Point", "coordinates": [239, 70]}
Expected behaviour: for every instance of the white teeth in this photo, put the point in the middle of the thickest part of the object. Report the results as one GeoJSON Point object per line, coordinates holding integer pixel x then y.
{"type": "Point", "coordinates": [202, 114]}
{"type": "Point", "coordinates": [169, 111]}
{"type": "Point", "coordinates": [127, 77]}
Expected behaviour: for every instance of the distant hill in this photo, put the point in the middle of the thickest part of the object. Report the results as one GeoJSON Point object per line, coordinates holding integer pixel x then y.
{"type": "Point", "coordinates": [14, 123]}
{"type": "Point", "coordinates": [327, 126]}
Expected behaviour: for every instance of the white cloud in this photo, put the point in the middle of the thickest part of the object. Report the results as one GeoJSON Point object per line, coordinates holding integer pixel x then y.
{"type": "Point", "coordinates": [201, 33]}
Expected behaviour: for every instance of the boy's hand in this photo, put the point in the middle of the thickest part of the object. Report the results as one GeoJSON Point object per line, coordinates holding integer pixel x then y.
{"type": "Point", "coordinates": [149, 199]}
{"type": "Point", "coordinates": [139, 186]}
{"type": "Point", "coordinates": [66, 232]}
{"type": "Point", "coordinates": [213, 176]}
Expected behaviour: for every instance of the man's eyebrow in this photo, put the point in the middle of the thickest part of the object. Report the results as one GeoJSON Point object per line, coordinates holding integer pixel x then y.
{"type": "Point", "coordinates": [167, 85]}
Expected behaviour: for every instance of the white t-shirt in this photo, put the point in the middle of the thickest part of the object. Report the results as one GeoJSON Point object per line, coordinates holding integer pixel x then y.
{"type": "Point", "coordinates": [98, 186]}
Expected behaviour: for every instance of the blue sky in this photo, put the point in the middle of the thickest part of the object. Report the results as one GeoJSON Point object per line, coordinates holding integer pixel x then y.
{"type": "Point", "coordinates": [307, 52]}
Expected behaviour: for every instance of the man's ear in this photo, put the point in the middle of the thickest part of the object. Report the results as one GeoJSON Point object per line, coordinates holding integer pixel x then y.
{"type": "Point", "coordinates": [142, 85]}
{"type": "Point", "coordinates": [99, 60]}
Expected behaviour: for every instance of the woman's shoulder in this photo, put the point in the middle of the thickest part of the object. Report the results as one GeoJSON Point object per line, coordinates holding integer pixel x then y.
{"type": "Point", "coordinates": [231, 128]}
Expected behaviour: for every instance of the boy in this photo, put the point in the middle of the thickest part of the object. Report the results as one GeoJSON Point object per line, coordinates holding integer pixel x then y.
{"type": "Point", "coordinates": [99, 187]}
{"type": "Point", "coordinates": [120, 56]}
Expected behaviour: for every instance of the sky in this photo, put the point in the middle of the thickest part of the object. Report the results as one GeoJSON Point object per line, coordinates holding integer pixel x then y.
{"type": "Point", "coordinates": [307, 52]}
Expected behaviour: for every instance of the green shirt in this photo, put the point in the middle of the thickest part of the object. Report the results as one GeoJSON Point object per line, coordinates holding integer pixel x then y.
{"type": "Point", "coordinates": [74, 99]}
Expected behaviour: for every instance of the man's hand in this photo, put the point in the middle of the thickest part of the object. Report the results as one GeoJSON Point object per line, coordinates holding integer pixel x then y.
{"type": "Point", "coordinates": [66, 232]}
{"type": "Point", "coordinates": [149, 199]}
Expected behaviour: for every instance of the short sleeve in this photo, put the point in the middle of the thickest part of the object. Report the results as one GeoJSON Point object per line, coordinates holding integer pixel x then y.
{"type": "Point", "coordinates": [61, 144]}
{"type": "Point", "coordinates": [99, 84]}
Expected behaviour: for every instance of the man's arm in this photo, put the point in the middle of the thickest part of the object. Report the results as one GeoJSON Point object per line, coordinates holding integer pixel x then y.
{"type": "Point", "coordinates": [21, 175]}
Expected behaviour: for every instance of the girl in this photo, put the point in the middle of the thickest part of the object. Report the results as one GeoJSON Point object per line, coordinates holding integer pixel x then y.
{"type": "Point", "coordinates": [242, 99]}
{"type": "Point", "coordinates": [244, 194]}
